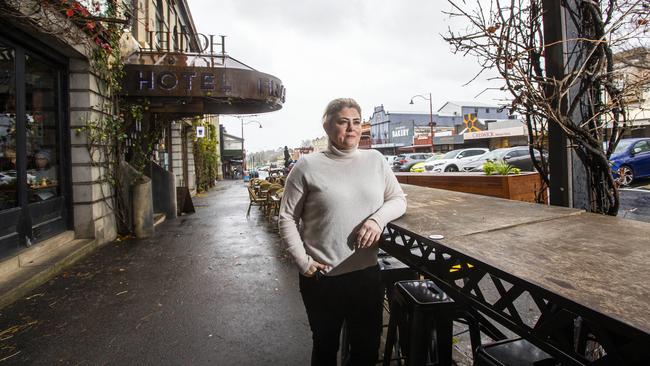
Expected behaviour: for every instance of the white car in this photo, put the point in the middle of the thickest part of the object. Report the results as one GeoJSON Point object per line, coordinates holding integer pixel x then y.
{"type": "Point", "coordinates": [453, 160]}
{"type": "Point", "coordinates": [390, 159]}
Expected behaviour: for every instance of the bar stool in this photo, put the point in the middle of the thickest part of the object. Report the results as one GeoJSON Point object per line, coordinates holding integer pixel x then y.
{"type": "Point", "coordinates": [391, 270]}
{"type": "Point", "coordinates": [512, 352]}
{"type": "Point", "coordinates": [424, 310]}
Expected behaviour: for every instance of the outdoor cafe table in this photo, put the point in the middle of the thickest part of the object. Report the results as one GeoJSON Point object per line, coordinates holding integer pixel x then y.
{"type": "Point", "coordinates": [587, 274]}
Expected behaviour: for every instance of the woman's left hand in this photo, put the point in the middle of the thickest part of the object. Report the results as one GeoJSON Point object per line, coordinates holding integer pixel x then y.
{"type": "Point", "coordinates": [368, 234]}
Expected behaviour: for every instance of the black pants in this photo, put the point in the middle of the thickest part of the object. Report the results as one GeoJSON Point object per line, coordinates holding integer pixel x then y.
{"type": "Point", "coordinates": [355, 297]}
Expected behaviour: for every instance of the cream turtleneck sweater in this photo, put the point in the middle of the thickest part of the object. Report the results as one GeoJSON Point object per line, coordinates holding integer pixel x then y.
{"type": "Point", "coordinates": [327, 197]}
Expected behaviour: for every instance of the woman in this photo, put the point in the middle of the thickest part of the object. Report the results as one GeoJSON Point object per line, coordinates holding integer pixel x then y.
{"type": "Point", "coordinates": [335, 206]}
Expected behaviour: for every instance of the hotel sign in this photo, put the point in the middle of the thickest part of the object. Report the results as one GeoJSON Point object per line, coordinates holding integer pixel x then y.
{"type": "Point", "coordinates": [198, 43]}
{"type": "Point", "coordinates": [259, 92]}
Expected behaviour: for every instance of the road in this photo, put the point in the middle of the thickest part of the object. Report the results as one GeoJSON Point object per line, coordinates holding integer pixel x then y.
{"type": "Point", "coordinates": [635, 201]}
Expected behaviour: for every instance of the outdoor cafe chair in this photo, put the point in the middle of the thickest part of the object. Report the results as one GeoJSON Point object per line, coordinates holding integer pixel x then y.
{"type": "Point", "coordinates": [255, 200]}
{"type": "Point", "coordinates": [275, 203]}
{"type": "Point", "coordinates": [263, 188]}
{"type": "Point", "coordinates": [254, 182]}
{"type": "Point", "coordinates": [268, 205]}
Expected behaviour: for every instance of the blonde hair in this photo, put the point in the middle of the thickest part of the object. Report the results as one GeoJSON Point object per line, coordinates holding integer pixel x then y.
{"type": "Point", "coordinates": [336, 105]}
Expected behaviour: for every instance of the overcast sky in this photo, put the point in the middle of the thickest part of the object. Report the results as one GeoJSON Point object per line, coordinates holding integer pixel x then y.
{"type": "Point", "coordinates": [376, 51]}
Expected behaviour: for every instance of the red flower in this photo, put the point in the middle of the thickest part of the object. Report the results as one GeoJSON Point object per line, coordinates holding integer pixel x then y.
{"type": "Point", "coordinates": [85, 12]}
{"type": "Point", "coordinates": [97, 41]}
{"type": "Point", "coordinates": [107, 47]}
{"type": "Point", "coordinates": [69, 13]}
{"type": "Point", "coordinates": [90, 25]}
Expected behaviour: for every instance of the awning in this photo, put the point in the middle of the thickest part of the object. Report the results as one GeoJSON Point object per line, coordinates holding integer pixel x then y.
{"type": "Point", "coordinates": [172, 83]}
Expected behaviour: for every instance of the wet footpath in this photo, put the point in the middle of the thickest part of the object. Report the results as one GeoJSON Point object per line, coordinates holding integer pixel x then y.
{"type": "Point", "coordinates": [210, 288]}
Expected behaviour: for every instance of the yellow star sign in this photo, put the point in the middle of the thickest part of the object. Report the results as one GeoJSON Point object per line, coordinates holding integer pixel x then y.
{"type": "Point", "coordinates": [470, 123]}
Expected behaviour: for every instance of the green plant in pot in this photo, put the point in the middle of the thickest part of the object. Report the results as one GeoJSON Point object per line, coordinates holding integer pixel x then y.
{"type": "Point", "coordinates": [499, 168]}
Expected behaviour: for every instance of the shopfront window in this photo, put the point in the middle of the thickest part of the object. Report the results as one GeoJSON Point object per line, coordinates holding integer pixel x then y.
{"type": "Point", "coordinates": [8, 181]}
{"type": "Point", "coordinates": [41, 97]}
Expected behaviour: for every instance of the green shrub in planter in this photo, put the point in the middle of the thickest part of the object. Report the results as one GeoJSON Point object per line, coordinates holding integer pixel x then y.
{"type": "Point", "coordinates": [500, 168]}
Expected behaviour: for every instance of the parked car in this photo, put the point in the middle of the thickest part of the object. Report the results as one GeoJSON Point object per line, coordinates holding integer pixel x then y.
{"type": "Point", "coordinates": [390, 159]}
{"type": "Point", "coordinates": [404, 162]}
{"type": "Point", "coordinates": [453, 160]}
{"type": "Point", "coordinates": [419, 167]}
{"type": "Point", "coordinates": [518, 156]}
{"type": "Point", "coordinates": [632, 159]}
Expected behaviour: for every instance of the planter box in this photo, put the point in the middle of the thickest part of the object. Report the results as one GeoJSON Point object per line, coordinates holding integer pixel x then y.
{"type": "Point", "coordinates": [521, 187]}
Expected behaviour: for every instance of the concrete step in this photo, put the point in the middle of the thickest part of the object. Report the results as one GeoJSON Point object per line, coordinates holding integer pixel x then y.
{"type": "Point", "coordinates": [11, 264]}
{"type": "Point", "coordinates": [46, 246]}
{"type": "Point", "coordinates": [31, 268]}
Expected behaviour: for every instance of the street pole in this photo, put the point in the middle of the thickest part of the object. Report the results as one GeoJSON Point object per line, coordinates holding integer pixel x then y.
{"type": "Point", "coordinates": [431, 120]}
{"type": "Point", "coordinates": [243, 164]}
{"type": "Point", "coordinates": [431, 123]}
{"type": "Point", "coordinates": [243, 158]}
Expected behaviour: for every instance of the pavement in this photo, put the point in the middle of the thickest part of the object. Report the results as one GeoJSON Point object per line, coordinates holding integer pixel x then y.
{"type": "Point", "coordinates": [212, 288]}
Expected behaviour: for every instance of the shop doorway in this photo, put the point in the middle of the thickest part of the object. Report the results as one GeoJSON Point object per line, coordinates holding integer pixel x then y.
{"type": "Point", "coordinates": [33, 163]}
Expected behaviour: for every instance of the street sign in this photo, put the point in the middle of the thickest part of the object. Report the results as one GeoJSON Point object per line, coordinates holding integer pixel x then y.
{"type": "Point", "coordinates": [200, 131]}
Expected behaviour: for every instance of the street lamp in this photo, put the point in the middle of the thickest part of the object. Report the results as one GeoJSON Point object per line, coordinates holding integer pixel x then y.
{"type": "Point", "coordinates": [243, 160]}
{"type": "Point", "coordinates": [431, 123]}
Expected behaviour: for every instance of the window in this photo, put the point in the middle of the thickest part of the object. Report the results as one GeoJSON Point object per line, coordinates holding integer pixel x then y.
{"type": "Point", "coordinates": [8, 179]}
{"type": "Point", "coordinates": [474, 152]}
{"type": "Point", "coordinates": [644, 146]}
{"type": "Point", "coordinates": [41, 96]}
{"type": "Point", "coordinates": [487, 110]}
{"type": "Point", "coordinates": [30, 146]}
{"type": "Point", "coordinates": [160, 22]}
{"type": "Point", "coordinates": [518, 153]}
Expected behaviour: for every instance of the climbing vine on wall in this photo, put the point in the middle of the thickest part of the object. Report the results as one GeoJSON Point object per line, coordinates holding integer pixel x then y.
{"type": "Point", "coordinates": [206, 156]}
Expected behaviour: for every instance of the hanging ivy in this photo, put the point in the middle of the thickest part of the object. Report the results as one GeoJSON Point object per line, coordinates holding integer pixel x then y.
{"type": "Point", "coordinates": [206, 156]}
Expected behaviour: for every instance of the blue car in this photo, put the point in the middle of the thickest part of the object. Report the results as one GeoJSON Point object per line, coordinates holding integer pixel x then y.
{"type": "Point", "coordinates": [631, 159]}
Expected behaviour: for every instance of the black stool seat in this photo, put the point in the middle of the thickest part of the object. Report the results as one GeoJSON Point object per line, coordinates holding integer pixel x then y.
{"type": "Point", "coordinates": [423, 293]}
{"type": "Point", "coordinates": [513, 352]}
{"type": "Point", "coordinates": [392, 270]}
{"type": "Point", "coordinates": [419, 309]}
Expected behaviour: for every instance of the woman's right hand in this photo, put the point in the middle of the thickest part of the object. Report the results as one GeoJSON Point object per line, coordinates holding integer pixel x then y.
{"type": "Point", "coordinates": [314, 267]}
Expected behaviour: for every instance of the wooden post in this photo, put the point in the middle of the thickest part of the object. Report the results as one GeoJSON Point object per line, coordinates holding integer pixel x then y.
{"type": "Point", "coordinates": [568, 180]}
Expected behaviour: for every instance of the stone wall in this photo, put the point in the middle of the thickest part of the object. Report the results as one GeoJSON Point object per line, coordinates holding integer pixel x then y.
{"type": "Point", "coordinates": [177, 156]}
{"type": "Point", "coordinates": [92, 197]}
